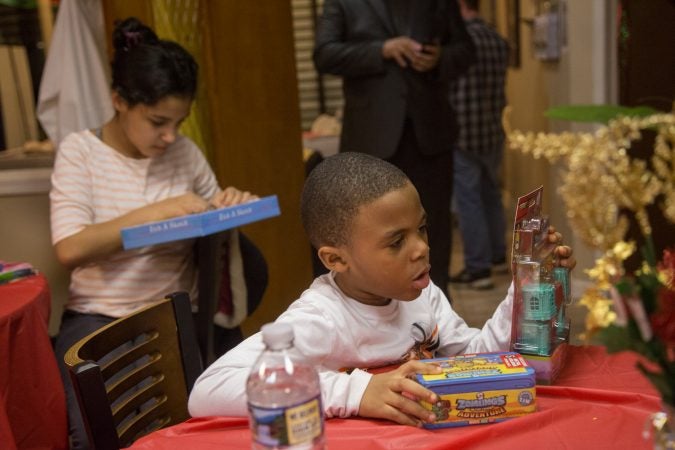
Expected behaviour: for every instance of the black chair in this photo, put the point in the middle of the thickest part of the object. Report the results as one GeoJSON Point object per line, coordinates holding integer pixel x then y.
{"type": "Point", "coordinates": [133, 376]}
{"type": "Point", "coordinates": [212, 261]}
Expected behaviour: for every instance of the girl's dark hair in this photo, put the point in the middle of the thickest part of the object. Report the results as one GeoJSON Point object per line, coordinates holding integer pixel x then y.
{"type": "Point", "coordinates": [145, 69]}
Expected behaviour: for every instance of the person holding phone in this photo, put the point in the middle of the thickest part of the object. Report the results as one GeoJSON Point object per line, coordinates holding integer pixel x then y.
{"type": "Point", "coordinates": [396, 59]}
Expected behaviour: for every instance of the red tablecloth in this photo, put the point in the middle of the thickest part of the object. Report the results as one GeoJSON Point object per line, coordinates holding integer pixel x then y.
{"type": "Point", "coordinates": [599, 401]}
{"type": "Point", "coordinates": [32, 401]}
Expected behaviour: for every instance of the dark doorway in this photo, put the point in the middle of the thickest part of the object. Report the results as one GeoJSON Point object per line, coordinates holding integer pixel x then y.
{"type": "Point", "coordinates": [647, 77]}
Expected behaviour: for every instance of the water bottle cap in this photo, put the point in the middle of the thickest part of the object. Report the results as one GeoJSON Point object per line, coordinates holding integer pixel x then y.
{"type": "Point", "coordinates": [277, 335]}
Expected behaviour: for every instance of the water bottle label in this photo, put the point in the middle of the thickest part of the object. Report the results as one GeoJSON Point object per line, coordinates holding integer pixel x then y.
{"type": "Point", "coordinates": [292, 425]}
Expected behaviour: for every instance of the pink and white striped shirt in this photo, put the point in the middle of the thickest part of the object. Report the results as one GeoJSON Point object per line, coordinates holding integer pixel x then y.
{"type": "Point", "coordinates": [93, 183]}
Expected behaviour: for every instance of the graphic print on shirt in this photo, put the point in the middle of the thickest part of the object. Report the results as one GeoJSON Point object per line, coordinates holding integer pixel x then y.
{"type": "Point", "coordinates": [426, 342]}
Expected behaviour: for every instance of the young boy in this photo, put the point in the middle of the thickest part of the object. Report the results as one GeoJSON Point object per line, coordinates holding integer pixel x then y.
{"type": "Point", "coordinates": [376, 307]}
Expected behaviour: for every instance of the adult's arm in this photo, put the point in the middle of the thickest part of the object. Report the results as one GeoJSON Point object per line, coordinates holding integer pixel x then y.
{"type": "Point", "coordinates": [458, 52]}
{"type": "Point", "coordinates": [338, 53]}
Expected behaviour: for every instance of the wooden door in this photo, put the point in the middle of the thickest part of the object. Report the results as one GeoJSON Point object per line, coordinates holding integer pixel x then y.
{"type": "Point", "coordinates": [647, 77]}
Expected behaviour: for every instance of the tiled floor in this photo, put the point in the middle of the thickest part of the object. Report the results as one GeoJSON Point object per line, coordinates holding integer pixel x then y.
{"type": "Point", "coordinates": [475, 307]}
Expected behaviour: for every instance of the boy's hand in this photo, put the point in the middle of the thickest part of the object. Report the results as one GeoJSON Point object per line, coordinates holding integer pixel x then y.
{"type": "Point", "coordinates": [562, 252]}
{"type": "Point", "coordinates": [392, 395]}
{"type": "Point", "coordinates": [231, 196]}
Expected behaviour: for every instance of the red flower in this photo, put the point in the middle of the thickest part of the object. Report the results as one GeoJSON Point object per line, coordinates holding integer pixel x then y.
{"type": "Point", "coordinates": [663, 321]}
{"type": "Point", "coordinates": [667, 268]}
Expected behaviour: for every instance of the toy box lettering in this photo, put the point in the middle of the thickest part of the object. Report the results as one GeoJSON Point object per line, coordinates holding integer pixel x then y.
{"type": "Point", "coordinates": [481, 407]}
{"type": "Point", "coordinates": [510, 360]}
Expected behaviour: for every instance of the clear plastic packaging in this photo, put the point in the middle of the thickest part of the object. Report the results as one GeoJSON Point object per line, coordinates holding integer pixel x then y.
{"type": "Point", "coordinates": [540, 328]}
{"type": "Point", "coordinates": [284, 396]}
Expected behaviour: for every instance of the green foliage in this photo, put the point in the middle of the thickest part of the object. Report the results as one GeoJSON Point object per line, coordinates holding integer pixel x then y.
{"type": "Point", "coordinates": [645, 286]}
{"type": "Point", "coordinates": [618, 339]}
{"type": "Point", "coordinates": [27, 4]}
{"type": "Point", "coordinates": [660, 382]}
{"type": "Point", "coordinates": [596, 113]}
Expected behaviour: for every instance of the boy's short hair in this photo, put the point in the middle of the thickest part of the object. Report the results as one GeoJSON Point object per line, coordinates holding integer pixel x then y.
{"type": "Point", "coordinates": [335, 190]}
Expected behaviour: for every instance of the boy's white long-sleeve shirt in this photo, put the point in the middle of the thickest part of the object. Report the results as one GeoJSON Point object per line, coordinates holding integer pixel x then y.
{"type": "Point", "coordinates": [343, 338]}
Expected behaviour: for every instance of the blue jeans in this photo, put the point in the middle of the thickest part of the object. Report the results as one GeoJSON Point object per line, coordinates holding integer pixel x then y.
{"type": "Point", "coordinates": [479, 209]}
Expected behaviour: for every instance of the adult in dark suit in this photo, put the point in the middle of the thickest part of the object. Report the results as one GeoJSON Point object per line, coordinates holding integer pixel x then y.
{"type": "Point", "coordinates": [396, 58]}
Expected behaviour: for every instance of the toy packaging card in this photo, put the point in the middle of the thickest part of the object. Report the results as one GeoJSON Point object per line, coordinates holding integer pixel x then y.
{"type": "Point", "coordinates": [480, 388]}
{"type": "Point", "coordinates": [540, 328]}
{"type": "Point", "coordinates": [201, 224]}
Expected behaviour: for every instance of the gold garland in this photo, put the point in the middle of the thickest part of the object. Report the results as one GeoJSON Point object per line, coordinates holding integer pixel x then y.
{"type": "Point", "coordinates": [600, 178]}
{"type": "Point", "coordinates": [598, 298]}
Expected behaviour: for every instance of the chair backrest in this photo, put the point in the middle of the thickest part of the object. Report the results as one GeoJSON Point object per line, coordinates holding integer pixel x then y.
{"type": "Point", "coordinates": [134, 375]}
{"type": "Point", "coordinates": [210, 251]}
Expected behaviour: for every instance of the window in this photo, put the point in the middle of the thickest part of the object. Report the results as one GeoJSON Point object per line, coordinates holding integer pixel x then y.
{"type": "Point", "coordinates": [21, 62]}
{"type": "Point", "coordinates": [318, 94]}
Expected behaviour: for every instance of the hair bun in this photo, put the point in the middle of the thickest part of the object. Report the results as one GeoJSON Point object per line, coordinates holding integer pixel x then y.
{"type": "Point", "coordinates": [130, 33]}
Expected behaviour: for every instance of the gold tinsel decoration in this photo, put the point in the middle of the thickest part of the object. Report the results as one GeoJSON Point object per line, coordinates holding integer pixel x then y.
{"type": "Point", "coordinates": [600, 182]}
{"type": "Point", "coordinates": [597, 298]}
{"type": "Point", "coordinates": [600, 179]}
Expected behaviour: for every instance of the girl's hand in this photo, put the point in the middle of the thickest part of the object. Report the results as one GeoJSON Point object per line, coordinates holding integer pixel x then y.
{"type": "Point", "coordinates": [392, 395]}
{"type": "Point", "coordinates": [231, 196]}
{"type": "Point", "coordinates": [188, 203]}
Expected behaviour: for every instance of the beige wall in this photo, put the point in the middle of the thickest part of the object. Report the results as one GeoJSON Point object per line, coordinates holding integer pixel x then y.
{"type": "Point", "coordinates": [584, 74]}
{"type": "Point", "coordinates": [25, 237]}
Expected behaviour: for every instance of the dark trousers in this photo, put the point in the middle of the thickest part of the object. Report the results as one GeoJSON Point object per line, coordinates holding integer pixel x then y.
{"type": "Point", "coordinates": [432, 176]}
{"type": "Point", "coordinates": [75, 326]}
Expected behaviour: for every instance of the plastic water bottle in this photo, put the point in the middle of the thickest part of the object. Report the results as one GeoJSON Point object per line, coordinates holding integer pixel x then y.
{"type": "Point", "coordinates": [284, 396]}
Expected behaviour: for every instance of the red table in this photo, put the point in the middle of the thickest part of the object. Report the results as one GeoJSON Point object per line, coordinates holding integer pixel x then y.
{"type": "Point", "coordinates": [599, 401]}
{"type": "Point", "coordinates": [32, 400]}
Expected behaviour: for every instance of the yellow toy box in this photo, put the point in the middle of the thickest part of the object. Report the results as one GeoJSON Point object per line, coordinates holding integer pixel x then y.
{"type": "Point", "coordinates": [480, 388]}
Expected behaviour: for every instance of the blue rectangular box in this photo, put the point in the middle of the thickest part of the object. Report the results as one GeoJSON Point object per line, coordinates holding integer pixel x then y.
{"type": "Point", "coordinates": [480, 388]}
{"type": "Point", "coordinates": [201, 224]}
